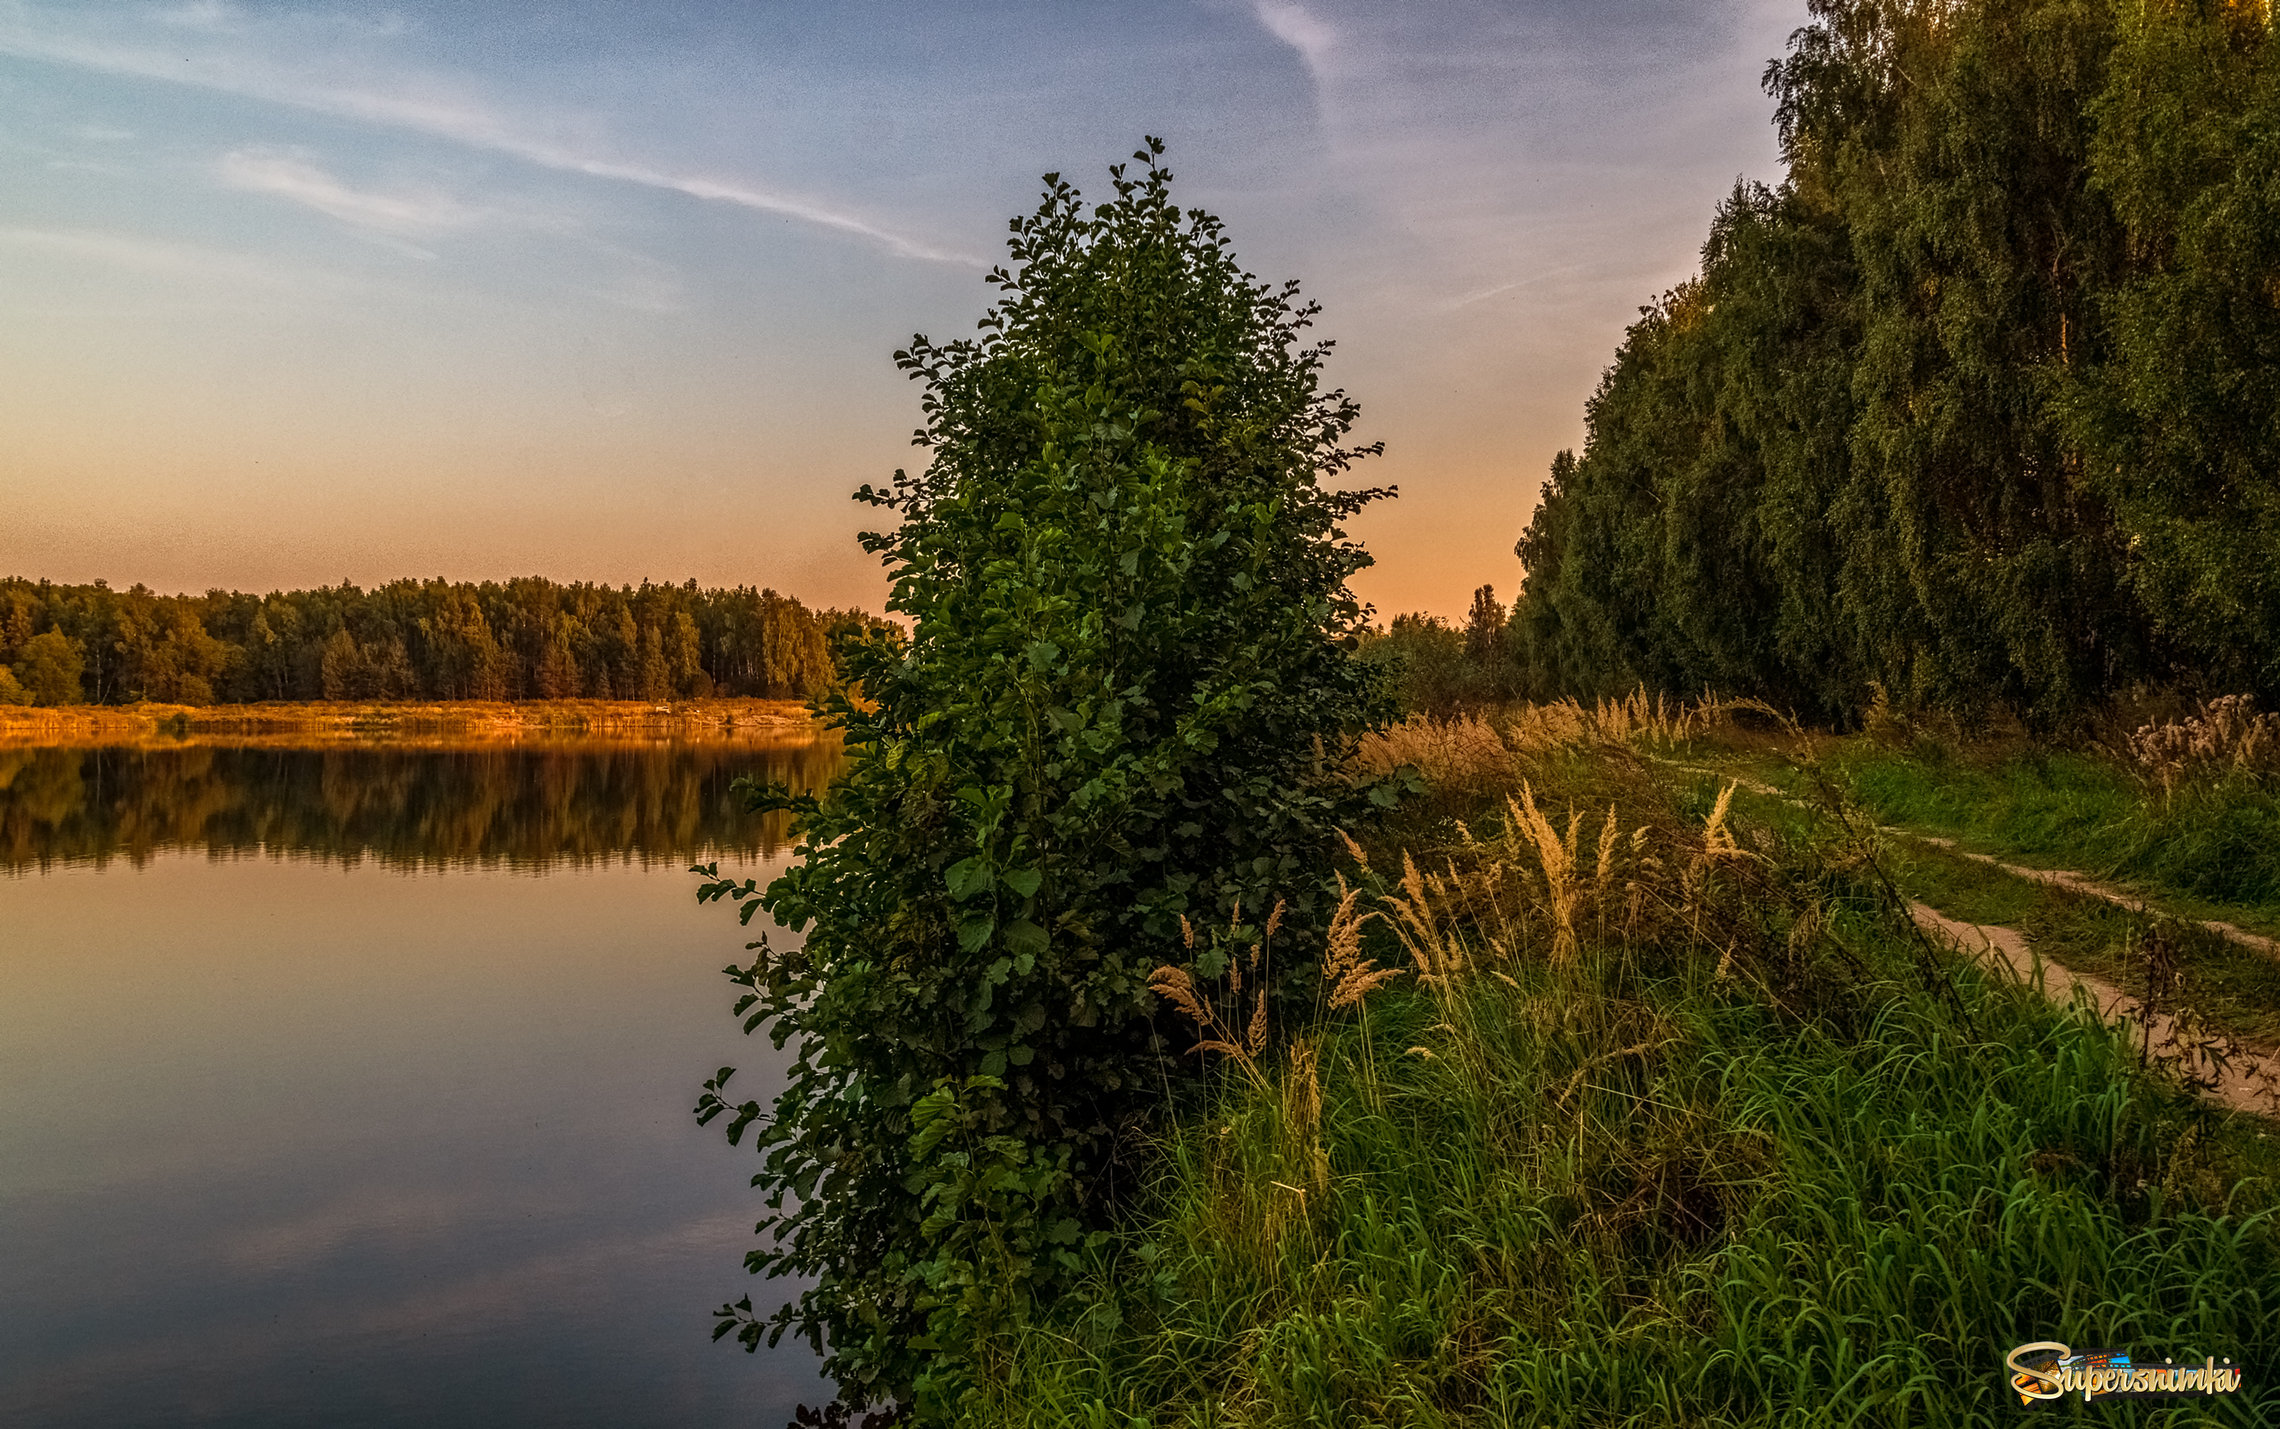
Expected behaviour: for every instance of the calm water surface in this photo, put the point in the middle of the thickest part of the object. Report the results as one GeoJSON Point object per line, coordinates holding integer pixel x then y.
{"type": "Point", "coordinates": [353, 1087]}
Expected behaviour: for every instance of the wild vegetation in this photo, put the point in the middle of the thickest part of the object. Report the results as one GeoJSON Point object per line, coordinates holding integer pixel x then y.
{"type": "Point", "coordinates": [1980, 404]}
{"type": "Point", "coordinates": [1605, 1070]}
{"type": "Point", "coordinates": [1121, 713]}
{"type": "Point", "coordinates": [529, 638]}
{"type": "Point", "coordinates": [1661, 1113]}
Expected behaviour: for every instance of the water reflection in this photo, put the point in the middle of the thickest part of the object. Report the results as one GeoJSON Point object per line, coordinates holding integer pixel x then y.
{"type": "Point", "coordinates": [389, 1126]}
{"type": "Point", "coordinates": [516, 806]}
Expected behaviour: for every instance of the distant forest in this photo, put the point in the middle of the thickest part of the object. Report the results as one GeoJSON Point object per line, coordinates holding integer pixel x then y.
{"type": "Point", "coordinates": [1981, 404]}
{"type": "Point", "coordinates": [409, 640]}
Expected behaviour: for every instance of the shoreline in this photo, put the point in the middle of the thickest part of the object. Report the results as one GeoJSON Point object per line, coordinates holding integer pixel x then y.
{"type": "Point", "coordinates": [413, 723]}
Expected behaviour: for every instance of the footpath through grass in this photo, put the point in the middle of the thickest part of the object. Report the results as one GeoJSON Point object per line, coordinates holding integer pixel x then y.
{"type": "Point", "coordinates": [2185, 837]}
{"type": "Point", "coordinates": [2232, 987]}
{"type": "Point", "coordinates": [2209, 845]}
{"type": "Point", "coordinates": [1671, 1118]}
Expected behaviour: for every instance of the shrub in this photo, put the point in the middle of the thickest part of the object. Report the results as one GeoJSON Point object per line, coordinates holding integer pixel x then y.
{"type": "Point", "coordinates": [1126, 696]}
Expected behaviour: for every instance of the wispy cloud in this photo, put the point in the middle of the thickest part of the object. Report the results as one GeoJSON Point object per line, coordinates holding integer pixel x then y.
{"type": "Point", "coordinates": [1565, 271]}
{"type": "Point", "coordinates": [442, 116]}
{"type": "Point", "coordinates": [1315, 39]}
{"type": "Point", "coordinates": [220, 16]}
{"type": "Point", "coordinates": [296, 180]}
{"type": "Point", "coordinates": [1322, 47]}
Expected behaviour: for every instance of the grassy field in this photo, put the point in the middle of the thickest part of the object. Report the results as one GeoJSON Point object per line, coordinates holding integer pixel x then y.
{"type": "Point", "coordinates": [1671, 1116]}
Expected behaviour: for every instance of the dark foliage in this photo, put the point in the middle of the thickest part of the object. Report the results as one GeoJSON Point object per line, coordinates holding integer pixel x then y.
{"type": "Point", "coordinates": [1979, 405]}
{"type": "Point", "coordinates": [1122, 703]}
{"type": "Point", "coordinates": [529, 638]}
{"type": "Point", "coordinates": [1438, 668]}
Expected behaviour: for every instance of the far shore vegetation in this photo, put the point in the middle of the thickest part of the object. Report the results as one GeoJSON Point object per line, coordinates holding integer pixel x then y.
{"type": "Point", "coordinates": [441, 724]}
{"type": "Point", "coordinates": [524, 639]}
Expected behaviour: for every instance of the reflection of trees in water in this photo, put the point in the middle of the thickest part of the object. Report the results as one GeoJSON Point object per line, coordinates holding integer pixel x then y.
{"type": "Point", "coordinates": [519, 807]}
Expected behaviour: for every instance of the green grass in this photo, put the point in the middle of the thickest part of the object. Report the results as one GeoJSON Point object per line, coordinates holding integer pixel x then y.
{"type": "Point", "coordinates": [1745, 1163]}
{"type": "Point", "coordinates": [2212, 847]}
{"type": "Point", "coordinates": [2234, 988]}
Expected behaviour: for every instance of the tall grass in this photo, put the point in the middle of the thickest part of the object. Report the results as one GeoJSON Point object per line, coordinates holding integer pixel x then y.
{"type": "Point", "coordinates": [1670, 1123]}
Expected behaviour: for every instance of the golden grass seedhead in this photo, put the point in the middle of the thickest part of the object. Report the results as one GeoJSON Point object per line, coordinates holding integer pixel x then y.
{"type": "Point", "coordinates": [1176, 987]}
{"type": "Point", "coordinates": [1355, 851]}
{"type": "Point", "coordinates": [1556, 856]}
{"type": "Point", "coordinates": [1344, 945]}
{"type": "Point", "coordinates": [1717, 839]}
{"type": "Point", "coordinates": [1607, 836]}
{"type": "Point", "coordinates": [1463, 752]}
{"type": "Point", "coordinates": [1351, 976]}
{"type": "Point", "coordinates": [2224, 735]}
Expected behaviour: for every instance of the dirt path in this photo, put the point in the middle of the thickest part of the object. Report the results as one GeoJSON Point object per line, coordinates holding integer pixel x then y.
{"type": "Point", "coordinates": [2063, 879]}
{"type": "Point", "coordinates": [2247, 1079]}
{"type": "Point", "coordinates": [2069, 881]}
{"type": "Point", "coordinates": [2243, 1076]}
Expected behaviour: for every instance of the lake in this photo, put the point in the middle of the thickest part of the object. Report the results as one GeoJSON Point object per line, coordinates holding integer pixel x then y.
{"type": "Point", "coordinates": [352, 1086]}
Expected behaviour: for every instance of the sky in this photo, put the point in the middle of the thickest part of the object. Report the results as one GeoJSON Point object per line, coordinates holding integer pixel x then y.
{"type": "Point", "coordinates": [293, 293]}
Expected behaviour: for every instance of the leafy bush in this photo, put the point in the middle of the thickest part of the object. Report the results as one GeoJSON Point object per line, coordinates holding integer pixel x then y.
{"type": "Point", "coordinates": [1124, 699]}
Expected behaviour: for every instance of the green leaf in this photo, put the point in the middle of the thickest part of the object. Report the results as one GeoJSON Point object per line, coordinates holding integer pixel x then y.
{"type": "Point", "coordinates": [969, 877]}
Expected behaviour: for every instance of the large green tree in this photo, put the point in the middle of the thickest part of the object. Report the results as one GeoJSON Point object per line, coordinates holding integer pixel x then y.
{"type": "Point", "coordinates": [1979, 404]}
{"type": "Point", "coordinates": [1123, 702]}
{"type": "Point", "coordinates": [2180, 425]}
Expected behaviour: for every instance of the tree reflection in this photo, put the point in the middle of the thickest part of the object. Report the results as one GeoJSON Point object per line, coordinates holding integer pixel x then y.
{"type": "Point", "coordinates": [512, 806]}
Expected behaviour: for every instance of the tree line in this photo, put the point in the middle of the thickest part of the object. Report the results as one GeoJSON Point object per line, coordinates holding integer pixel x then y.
{"type": "Point", "coordinates": [1980, 404]}
{"type": "Point", "coordinates": [528, 638]}
{"type": "Point", "coordinates": [1432, 665]}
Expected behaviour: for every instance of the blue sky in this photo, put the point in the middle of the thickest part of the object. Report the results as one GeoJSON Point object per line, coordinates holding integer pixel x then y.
{"type": "Point", "coordinates": [292, 293]}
